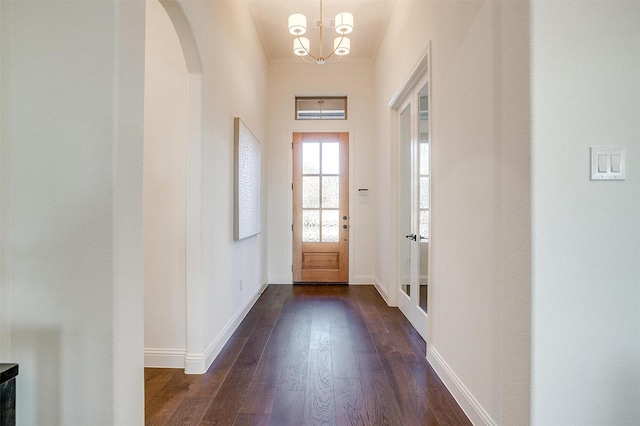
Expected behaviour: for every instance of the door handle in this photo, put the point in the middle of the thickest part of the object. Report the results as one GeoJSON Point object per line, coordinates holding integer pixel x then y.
{"type": "Point", "coordinates": [413, 237]}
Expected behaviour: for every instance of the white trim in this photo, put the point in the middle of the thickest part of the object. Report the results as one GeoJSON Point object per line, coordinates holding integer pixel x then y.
{"type": "Point", "coordinates": [199, 363]}
{"type": "Point", "coordinates": [194, 284]}
{"type": "Point", "coordinates": [469, 404]}
{"type": "Point", "coordinates": [419, 70]}
{"type": "Point", "coordinates": [280, 279]}
{"type": "Point", "coordinates": [381, 290]}
{"type": "Point", "coordinates": [164, 358]}
{"type": "Point", "coordinates": [362, 280]}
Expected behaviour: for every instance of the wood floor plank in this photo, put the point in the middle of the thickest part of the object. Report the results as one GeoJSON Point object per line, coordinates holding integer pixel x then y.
{"type": "Point", "coordinates": [319, 398]}
{"type": "Point", "coordinates": [211, 382]}
{"type": "Point", "coordinates": [270, 364]}
{"type": "Point", "coordinates": [190, 411]}
{"type": "Point", "coordinates": [440, 401]}
{"type": "Point", "coordinates": [349, 401]}
{"type": "Point", "coordinates": [401, 339]}
{"type": "Point", "coordinates": [293, 375]}
{"type": "Point", "coordinates": [258, 397]}
{"type": "Point", "coordinates": [252, 420]}
{"type": "Point", "coordinates": [225, 406]}
{"type": "Point", "coordinates": [411, 399]}
{"type": "Point", "coordinates": [167, 401]}
{"type": "Point", "coordinates": [382, 407]}
{"type": "Point", "coordinates": [343, 354]}
{"type": "Point", "coordinates": [288, 408]}
{"type": "Point", "coordinates": [154, 380]}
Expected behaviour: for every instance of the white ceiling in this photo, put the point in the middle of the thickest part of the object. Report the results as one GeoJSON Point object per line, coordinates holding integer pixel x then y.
{"type": "Point", "coordinates": [370, 22]}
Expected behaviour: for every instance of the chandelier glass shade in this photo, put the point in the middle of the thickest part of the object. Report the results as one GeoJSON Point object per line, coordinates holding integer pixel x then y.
{"type": "Point", "coordinates": [341, 44]}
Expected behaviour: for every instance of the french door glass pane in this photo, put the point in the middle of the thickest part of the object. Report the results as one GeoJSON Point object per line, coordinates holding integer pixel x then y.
{"type": "Point", "coordinates": [424, 158]}
{"type": "Point", "coordinates": [310, 226]}
{"type": "Point", "coordinates": [330, 226]}
{"type": "Point", "coordinates": [424, 192]}
{"type": "Point", "coordinates": [330, 192]}
{"type": "Point", "coordinates": [423, 161]}
{"type": "Point", "coordinates": [405, 200]}
{"type": "Point", "coordinates": [423, 296]}
{"type": "Point", "coordinates": [310, 192]}
{"type": "Point", "coordinates": [310, 158]}
{"type": "Point", "coordinates": [424, 224]}
{"type": "Point", "coordinates": [330, 158]}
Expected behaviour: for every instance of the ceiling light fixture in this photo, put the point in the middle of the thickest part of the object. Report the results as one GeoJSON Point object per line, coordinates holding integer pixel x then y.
{"type": "Point", "coordinates": [341, 44]}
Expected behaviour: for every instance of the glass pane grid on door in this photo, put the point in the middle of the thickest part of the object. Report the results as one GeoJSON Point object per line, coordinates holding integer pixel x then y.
{"type": "Point", "coordinates": [320, 191]}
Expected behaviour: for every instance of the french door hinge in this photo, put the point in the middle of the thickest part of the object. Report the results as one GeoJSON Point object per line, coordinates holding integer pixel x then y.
{"type": "Point", "coordinates": [292, 227]}
{"type": "Point", "coordinates": [292, 186]}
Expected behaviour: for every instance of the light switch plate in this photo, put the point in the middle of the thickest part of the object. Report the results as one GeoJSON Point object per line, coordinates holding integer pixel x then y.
{"type": "Point", "coordinates": [607, 163]}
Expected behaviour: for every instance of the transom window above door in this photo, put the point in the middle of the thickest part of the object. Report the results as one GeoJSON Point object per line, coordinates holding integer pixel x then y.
{"type": "Point", "coordinates": [321, 107]}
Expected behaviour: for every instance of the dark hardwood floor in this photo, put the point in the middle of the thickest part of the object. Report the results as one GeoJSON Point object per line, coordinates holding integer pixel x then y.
{"type": "Point", "coordinates": [305, 354]}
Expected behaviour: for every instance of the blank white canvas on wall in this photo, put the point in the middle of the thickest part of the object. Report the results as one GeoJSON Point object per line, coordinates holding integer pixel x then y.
{"type": "Point", "coordinates": [247, 182]}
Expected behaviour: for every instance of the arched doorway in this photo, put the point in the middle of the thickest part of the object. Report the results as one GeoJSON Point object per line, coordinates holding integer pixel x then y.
{"type": "Point", "coordinates": [172, 191]}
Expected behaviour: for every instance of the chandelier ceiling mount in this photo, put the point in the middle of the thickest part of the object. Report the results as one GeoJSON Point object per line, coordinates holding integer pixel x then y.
{"type": "Point", "coordinates": [343, 25]}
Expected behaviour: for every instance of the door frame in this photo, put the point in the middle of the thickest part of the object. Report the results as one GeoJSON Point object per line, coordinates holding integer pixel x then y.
{"type": "Point", "coordinates": [419, 71]}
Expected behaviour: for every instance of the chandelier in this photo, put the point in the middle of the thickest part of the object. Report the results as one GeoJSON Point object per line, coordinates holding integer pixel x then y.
{"type": "Point", "coordinates": [341, 44]}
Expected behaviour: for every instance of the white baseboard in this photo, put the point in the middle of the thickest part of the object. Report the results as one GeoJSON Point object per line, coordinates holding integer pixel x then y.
{"type": "Point", "coordinates": [200, 363]}
{"type": "Point", "coordinates": [469, 404]}
{"type": "Point", "coordinates": [381, 290]}
{"type": "Point", "coordinates": [362, 280]}
{"type": "Point", "coordinates": [164, 358]}
{"type": "Point", "coordinates": [280, 279]}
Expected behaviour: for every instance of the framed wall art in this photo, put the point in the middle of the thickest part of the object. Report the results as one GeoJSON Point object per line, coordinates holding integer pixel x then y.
{"type": "Point", "coordinates": [247, 181]}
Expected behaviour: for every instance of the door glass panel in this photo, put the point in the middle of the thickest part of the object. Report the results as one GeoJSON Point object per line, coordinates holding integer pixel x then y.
{"type": "Point", "coordinates": [424, 192]}
{"type": "Point", "coordinates": [405, 201]}
{"type": "Point", "coordinates": [310, 192]}
{"type": "Point", "coordinates": [330, 192]}
{"type": "Point", "coordinates": [424, 225]}
{"type": "Point", "coordinates": [310, 158]}
{"type": "Point", "coordinates": [330, 158]}
{"type": "Point", "coordinates": [330, 226]}
{"type": "Point", "coordinates": [423, 159]}
{"type": "Point", "coordinates": [310, 226]}
{"type": "Point", "coordinates": [423, 295]}
{"type": "Point", "coordinates": [424, 156]}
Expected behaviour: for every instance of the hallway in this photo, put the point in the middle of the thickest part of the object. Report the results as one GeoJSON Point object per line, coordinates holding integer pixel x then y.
{"type": "Point", "coordinates": [325, 354]}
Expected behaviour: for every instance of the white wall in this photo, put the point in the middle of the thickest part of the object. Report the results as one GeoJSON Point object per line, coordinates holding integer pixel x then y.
{"type": "Point", "coordinates": [586, 235]}
{"type": "Point", "coordinates": [286, 81]}
{"type": "Point", "coordinates": [72, 209]}
{"type": "Point", "coordinates": [165, 135]}
{"type": "Point", "coordinates": [479, 192]}
{"type": "Point", "coordinates": [234, 81]}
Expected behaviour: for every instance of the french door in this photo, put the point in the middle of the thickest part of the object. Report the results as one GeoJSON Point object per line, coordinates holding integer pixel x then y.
{"type": "Point", "coordinates": [414, 207]}
{"type": "Point", "coordinates": [321, 207]}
